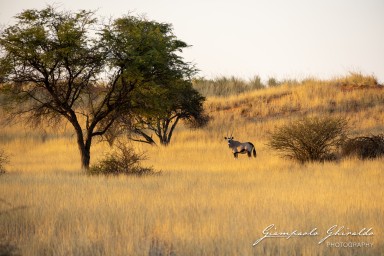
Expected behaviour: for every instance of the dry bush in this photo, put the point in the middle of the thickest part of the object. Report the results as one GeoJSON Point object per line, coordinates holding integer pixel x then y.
{"type": "Point", "coordinates": [356, 80]}
{"type": "Point", "coordinates": [365, 147]}
{"type": "Point", "coordinates": [310, 139]}
{"type": "Point", "coordinates": [123, 161]}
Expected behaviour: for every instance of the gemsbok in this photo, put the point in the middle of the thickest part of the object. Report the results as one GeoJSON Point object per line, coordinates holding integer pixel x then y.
{"type": "Point", "coordinates": [241, 147]}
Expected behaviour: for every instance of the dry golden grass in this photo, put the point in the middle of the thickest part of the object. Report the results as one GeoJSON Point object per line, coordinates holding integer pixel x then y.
{"type": "Point", "coordinates": [204, 202]}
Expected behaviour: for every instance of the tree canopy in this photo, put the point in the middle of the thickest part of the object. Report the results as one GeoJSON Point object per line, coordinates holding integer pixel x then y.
{"type": "Point", "coordinates": [172, 104]}
{"type": "Point", "coordinates": [57, 65]}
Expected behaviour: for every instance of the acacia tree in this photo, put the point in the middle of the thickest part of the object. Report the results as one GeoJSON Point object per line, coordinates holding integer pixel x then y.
{"type": "Point", "coordinates": [166, 94]}
{"type": "Point", "coordinates": [51, 65]}
{"type": "Point", "coordinates": [178, 102]}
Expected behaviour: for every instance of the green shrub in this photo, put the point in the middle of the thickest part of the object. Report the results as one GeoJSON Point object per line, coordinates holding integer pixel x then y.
{"type": "Point", "coordinates": [123, 161]}
{"type": "Point", "coordinates": [365, 147]}
{"type": "Point", "coordinates": [310, 139]}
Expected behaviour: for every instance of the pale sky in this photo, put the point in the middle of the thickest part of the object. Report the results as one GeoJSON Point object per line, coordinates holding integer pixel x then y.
{"type": "Point", "coordinates": [270, 38]}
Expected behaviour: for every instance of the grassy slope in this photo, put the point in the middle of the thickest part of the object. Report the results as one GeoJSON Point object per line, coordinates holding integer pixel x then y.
{"type": "Point", "coordinates": [204, 203]}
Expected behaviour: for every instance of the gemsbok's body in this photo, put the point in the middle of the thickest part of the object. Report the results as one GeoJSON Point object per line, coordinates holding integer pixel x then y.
{"type": "Point", "coordinates": [241, 147]}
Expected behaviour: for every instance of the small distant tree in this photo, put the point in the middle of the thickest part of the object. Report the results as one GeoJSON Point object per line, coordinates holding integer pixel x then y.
{"type": "Point", "coordinates": [165, 110]}
{"type": "Point", "coordinates": [176, 103]}
{"type": "Point", "coordinates": [309, 139]}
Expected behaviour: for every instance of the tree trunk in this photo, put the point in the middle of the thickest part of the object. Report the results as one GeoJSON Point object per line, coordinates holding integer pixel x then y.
{"type": "Point", "coordinates": [85, 153]}
{"type": "Point", "coordinates": [84, 147]}
{"type": "Point", "coordinates": [164, 141]}
{"type": "Point", "coordinates": [173, 126]}
{"type": "Point", "coordinates": [164, 132]}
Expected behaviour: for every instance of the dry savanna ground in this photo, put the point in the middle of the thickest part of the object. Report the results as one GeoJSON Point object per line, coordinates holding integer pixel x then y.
{"type": "Point", "coordinates": [204, 202]}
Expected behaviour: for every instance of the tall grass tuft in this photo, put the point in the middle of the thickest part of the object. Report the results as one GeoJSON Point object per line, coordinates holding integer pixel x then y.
{"type": "Point", "coordinates": [226, 86]}
{"type": "Point", "coordinates": [357, 80]}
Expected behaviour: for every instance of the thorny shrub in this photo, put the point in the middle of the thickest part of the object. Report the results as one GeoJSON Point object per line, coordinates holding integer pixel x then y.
{"type": "Point", "coordinates": [122, 161]}
{"type": "Point", "coordinates": [310, 139]}
{"type": "Point", "coordinates": [364, 147]}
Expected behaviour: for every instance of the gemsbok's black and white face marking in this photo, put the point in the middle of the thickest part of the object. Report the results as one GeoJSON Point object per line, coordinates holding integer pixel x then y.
{"type": "Point", "coordinates": [240, 147]}
{"type": "Point", "coordinates": [229, 140]}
